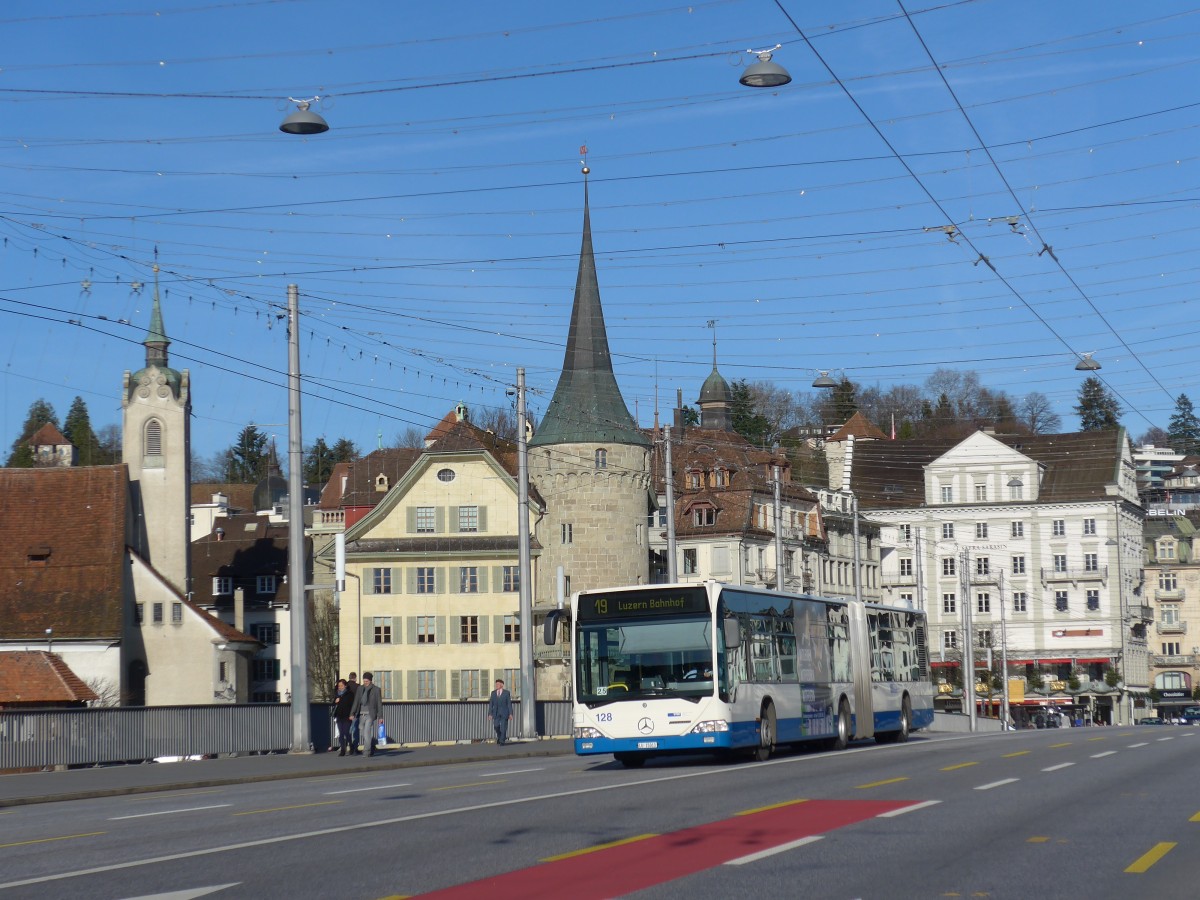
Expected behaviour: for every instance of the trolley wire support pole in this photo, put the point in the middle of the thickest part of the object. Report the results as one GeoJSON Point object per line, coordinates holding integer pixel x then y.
{"type": "Point", "coordinates": [778, 532]}
{"type": "Point", "coordinates": [301, 742]}
{"type": "Point", "coordinates": [968, 678]}
{"type": "Point", "coordinates": [1004, 706]}
{"type": "Point", "coordinates": [525, 593]}
{"type": "Point", "coordinates": [669, 478]}
{"type": "Point", "coordinates": [857, 556]}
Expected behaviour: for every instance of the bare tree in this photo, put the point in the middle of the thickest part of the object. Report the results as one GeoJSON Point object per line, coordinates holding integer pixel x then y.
{"type": "Point", "coordinates": [1038, 415]}
{"type": "Point", "coordinates": [323, 660]}
{"type": "Point", "coordinates": [1155, 436]}
{"type": "Point", "coordinates": [107, 692]}
{"type": "Point", "coordinates": [411, 437]}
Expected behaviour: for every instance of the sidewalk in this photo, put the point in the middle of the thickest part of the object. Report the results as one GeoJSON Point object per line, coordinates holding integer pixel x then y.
{"type": "Point", "coordinates": [107, 781]}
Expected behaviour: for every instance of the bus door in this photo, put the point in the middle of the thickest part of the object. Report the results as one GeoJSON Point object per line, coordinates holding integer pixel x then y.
{"type": "Point", "coordinates": [860, 661]}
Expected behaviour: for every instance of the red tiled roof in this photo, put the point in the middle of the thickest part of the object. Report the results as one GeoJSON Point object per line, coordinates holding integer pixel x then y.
{"type": "Point", "coordinates": [339, 480]}
{"type": "Point", "coordinates": [859, 426]}
{"type": "Point", "coordinates": [62, 551]}
{"type": "Point", "coordinates": [48, 434]}
{"type": "Point", "coordinates": [251, 546]}
{"type": "Point", "coordinates": [39, 677]}
{"type": "Point", "coordinates": [241, 496]}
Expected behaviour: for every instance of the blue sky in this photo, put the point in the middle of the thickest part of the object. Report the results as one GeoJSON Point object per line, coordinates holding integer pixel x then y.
{"type": "Point", "coordinates": [434, 230]}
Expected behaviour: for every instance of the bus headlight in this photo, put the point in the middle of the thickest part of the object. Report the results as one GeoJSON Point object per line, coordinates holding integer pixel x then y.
{"type": "Point", "coordinates": [709, 726]}
{"type": "Point", "coordinates": [587, 732]}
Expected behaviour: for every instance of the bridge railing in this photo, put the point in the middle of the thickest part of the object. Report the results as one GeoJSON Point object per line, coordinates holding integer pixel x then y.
{"type": "Point", "coordinates": [41, 738]}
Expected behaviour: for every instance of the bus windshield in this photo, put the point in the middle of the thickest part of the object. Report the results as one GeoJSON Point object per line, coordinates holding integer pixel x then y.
{"type": "Point", "coordinates": [645, 658]}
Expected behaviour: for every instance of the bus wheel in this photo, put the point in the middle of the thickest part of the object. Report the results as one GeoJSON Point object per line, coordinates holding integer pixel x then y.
{"type": "Point", "coordinates": [766, 733]}
{"type": "Point", "coordinates": [631, 760]}
{"type": "Point", "coordinates": [905, 721]}
{"type": "Point", "coordinates": [842, 740]}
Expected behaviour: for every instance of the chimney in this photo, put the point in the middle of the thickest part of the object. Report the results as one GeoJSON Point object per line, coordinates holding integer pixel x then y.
{"type": "Point", "coordinates": [239, 609]}
{"type": "Point", "coordinates": [679, 411]}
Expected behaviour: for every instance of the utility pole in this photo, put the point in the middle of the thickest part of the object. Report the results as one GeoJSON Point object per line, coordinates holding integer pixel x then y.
{"type": "Point", "coordinates": [968, 642]}
{"type": "Point", "coordinates": [669, 477]}
{"type": "Point", "coordinates": [1003, 656]}
{"type": "Point", "coordinates": [778, 533]}
{"type": "Point", "coordinates": [857, 559]}
{"type": "Point", "coordinates": [528, 671]}
{"type": "Point", "coordinates": [301, 742]}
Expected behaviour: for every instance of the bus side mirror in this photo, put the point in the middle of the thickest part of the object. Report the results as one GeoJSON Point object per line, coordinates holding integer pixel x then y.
{"type": "Point", "coordinates": [733, 632]}
{"type": "Point", "coordinates": [550, 629]}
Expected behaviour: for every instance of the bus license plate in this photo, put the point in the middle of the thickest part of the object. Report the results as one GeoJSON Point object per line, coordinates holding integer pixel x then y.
{"type": "Point", "coordinates": [647, 745]}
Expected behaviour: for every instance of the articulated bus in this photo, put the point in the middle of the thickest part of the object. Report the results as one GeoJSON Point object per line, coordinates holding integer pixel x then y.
{"type": "Point", "coordinates": [668, 669]}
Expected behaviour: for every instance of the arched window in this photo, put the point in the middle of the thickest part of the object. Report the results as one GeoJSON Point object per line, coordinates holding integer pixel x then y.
{"type": "Point", "coordinates": [153, 438]}
{"type": "Point", "coordinates": [601, 458]}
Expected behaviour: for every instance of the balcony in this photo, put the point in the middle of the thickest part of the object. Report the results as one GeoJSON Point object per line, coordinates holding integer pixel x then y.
{"type": "Point", "coordinates": [977, 578]}
{"type": "Point", "coordinates": [329, 520]}
{"type": "Point", "coordinates": [1049, 576]}
{"type": "Point", "coordinates": [555, 653]}
{"type": "Point", "coordinates": [1168, 593]}
{"type": "Point", "coordinates": [1177, 660]}
{"type": "Point", "coordinates": [1145, 613]}
{"type": "Point", "coordinates": [1171, 628]}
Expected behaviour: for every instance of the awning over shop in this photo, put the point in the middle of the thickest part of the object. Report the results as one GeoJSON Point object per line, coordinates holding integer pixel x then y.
{"type": "Point", "coordinates": [945, 664]}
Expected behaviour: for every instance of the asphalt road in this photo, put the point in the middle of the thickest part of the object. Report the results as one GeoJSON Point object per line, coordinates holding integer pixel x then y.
{"type": "Point", "coordinates": [1095, 813]}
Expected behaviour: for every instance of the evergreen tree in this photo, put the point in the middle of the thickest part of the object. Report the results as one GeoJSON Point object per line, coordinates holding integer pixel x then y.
{"type": "Point", "coordinates": [40, 412]}
{"type": "Point", "coordinates": [345, 451]}
{"type": "Point", "coordinates": [1183, 431]}
{"type": "Point", "coordinates": [747, 420]}
{"type": "Point", "coordinates": [1097, 407]}
{"type": "Point", "coordinates": [318, 462]}
{"type": "Point", "coordinates": [247, 458]}
{"type": "Point", "coordinates": [78, 430]}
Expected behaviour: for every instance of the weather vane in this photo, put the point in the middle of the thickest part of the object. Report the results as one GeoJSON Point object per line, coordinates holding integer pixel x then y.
{"type": "Point", "coordinates": [583, 162]}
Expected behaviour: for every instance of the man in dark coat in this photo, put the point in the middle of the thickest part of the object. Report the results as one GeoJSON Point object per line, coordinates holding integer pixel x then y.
{"type": "Point", "coordinates": [368, 709]}
{"type": "Point", "coordinates": [500, 711]}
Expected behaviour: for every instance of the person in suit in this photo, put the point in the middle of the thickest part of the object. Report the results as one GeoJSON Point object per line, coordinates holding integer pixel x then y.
{"type": "Point", "coordinates": [368, 710]}
{"type": "Point", "coordinates": [500, 711]}
{"type": "Point", "coordinates": [341, 715]}
{"type": "Point", "coordinates": [352, 686]}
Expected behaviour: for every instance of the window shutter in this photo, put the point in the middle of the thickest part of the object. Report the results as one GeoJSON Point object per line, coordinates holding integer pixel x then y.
{"type": "Point", "coordinates": [497, 578]}
{"type": "Point", "coordinates": [397, 584]}
{"type": "Point", "coordinates": [368, 630]}
{"type": "Point", "coordinates": [439, 520]}
{"type": "Point", "coordinates": [411, 694]}
{"type": "Point", "coordinates": [483, 581]}
{"type": "Point", "coordinates": [455, 680]}
{"type": "Point", "coordinates": [453, 519]}
{"type": "Point", "coordinates": [439, 580]}
{"type": "Point", "coordinates": [439, 625]}
{"type": "Point", "coordinates": [411, 585]}
{"type": "Point", "coordinates": [412, 634]}
{"type": "Point", "coordinates": [410, 518]}
{"type": "Point", "coordinates": [368, 581]}
{"type": "Point", "coordinates": [483, 518]}
{"type": "Point", "coordinates": [441, 685]}
{"type": "Point", "coordinates": [483, 629]}
{"type": "Point", "coordinates": [498, 628]}
{"type": "Point", "coordinates": [455, 636]}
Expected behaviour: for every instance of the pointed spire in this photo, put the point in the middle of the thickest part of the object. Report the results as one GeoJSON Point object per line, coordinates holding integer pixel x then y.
{"type": "Point", "coordinates": [587, 406]}
{"type": "Point", "coordinates": [156, 338]}
{"type": "Point", "coordinates": [715, 395]}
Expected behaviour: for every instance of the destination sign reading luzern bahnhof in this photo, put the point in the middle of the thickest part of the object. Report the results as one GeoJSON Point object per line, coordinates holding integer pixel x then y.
{"type": "Point", "coordinates": [602, 605]}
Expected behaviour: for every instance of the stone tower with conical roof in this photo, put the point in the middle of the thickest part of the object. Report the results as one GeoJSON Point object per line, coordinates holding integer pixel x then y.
{"type": "Point", "coordinates": [588, 460]}
{"type": "Point", "coordinates": [156, 446]}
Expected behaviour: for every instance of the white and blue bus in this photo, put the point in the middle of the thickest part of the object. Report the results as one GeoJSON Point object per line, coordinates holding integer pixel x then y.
{"type": "Point", "coordinates": [668, 669]}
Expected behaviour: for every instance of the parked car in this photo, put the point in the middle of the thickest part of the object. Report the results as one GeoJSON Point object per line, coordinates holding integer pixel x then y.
{"type": "Point", "coordinates": [1152, 720]}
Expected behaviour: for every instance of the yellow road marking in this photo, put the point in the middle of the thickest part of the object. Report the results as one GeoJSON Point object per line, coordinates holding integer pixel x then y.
{"type": "Point", "coordinates": [758, 809]}
{"type": "Point", "coordinates": [451, 787]}
{"type": "Point", "coordinates": [1037, 840]}
{"type": "Point", "coordinates": [1195, 818]}
{"type": "Point", "coordinates": [1056, 746]}
{"type": "Point", "coordinates": [65, 837]}
{"type": "Point", "coordinates": [630, 840]}
{"type": "Point", "coordinates": [862, 787]}
{"type": "Point", "coordinates": [965, 765]}
{"type": "Point", "coordinates": [1149, 858]}
{"type": "Point", "coordinates": [1097, 739]}
{"type": "Point", "coordinates": [1018, 753]}
{"type": "Point", "coordinates": [254, 812]}
{"type": "Point", "coordinates": [396, 897]}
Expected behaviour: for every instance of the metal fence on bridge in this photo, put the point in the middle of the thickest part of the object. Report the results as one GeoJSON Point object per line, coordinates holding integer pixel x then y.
{"type": "Point", "coordinates": [36, 739]}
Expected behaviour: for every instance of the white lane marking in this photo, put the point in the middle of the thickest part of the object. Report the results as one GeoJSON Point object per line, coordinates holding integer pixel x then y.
{"type": "Point", "coordinates": [378, 787]}
{"type": "Point", "coordinates": [167, 812]}
{"type": "Point", "coordinates": [1142, 744]}
{"type": "Point", "coordinates": [771, 851]}
{"type": "Point", "coordinates": [1171, 738]}
{"type": "Point", "coordinates": [996, 784]}
{"type": "Point", "coordinates": [1059, 766]}
{"type": "Point", "coordinates": [908, 809]}
{"type": "Point", "coordinates": [1105, 753]}
{"type": "Point", "coordinates": [511, 772]}
{"type": "Point", "coordinates": [190, 894]}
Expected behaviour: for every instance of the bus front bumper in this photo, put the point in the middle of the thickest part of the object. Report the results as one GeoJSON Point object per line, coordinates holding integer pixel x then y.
{"type": "Point", "coordinates": [654, 744]}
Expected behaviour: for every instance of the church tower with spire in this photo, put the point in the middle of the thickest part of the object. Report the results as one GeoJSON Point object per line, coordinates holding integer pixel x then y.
{"type": "Point", "coordinates": [589, 460]}
{"type": "Point", "coordinates": [715, 396]}
{"type": "Point", "coordinates": [156, 447]}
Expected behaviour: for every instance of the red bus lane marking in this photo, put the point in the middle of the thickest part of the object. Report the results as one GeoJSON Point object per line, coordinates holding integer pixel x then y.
{"type": "Point", "coordinates": [625, 868]}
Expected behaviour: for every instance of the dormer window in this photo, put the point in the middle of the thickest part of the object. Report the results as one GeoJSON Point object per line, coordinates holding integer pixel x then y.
{"type": "Point", "coordinates": [721, 478]}
{"type": "Point", "coordinates": [1166, 549]}
{"type": "Point", "coordinates": [703, 516]}
{"type": "Point", "coordinates": [693, 480]}
{"type": "Point", "coordinates": [38, 555]}
{"type": "Point", "coordinates": [381, 483]}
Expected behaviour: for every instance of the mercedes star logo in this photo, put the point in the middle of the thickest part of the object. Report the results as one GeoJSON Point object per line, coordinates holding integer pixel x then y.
{"type": "Point", "coordinates": [646, 725]}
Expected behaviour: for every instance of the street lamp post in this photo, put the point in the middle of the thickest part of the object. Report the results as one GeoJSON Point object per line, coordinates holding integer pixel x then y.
{"type": "Point", "coordinates": [524, 576]}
